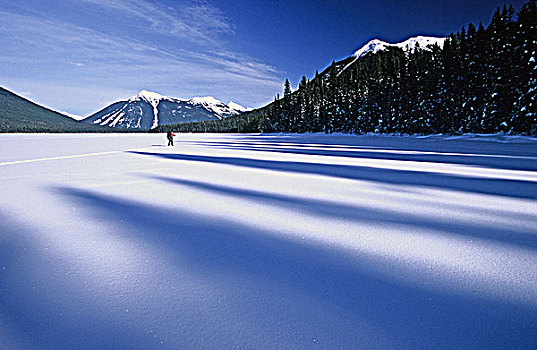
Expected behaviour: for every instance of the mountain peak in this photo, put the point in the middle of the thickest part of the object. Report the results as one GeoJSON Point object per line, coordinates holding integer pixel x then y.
{"type": "Point", "coordinates": [217, 106]}
{"type": "Point", "coordinates": [410, 44]}
{"type": "Point", "coordinates": [148, 96]}
{"type": "Point", "coordinates": [374, 45]}
{"type": "Point", "coordinates": [238, 107]}
{"type": "Point", "coordinates": [207, 100]}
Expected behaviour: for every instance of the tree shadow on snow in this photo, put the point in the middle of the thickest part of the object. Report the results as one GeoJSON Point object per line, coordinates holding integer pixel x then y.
{"type": "Point", "coordinates": [499, 187]}
{"type": "Point", "coordinates": [413, 317]}
{"type": "Point", "coordinates": [436, 143]}
{"type": "Point", "coordinates": [356, 213]}
{"type": "Point", "coordinates": [492, 161]}
{"type": "Point", "coordinates": [44, 305]}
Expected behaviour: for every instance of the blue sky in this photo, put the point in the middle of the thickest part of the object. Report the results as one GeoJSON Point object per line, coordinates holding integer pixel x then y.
{"type": "Point", "coordinates": [80, 55]}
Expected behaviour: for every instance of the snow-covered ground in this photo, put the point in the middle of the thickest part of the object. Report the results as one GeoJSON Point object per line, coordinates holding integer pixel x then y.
{"type": "Point", "coordinates": [267, 241]}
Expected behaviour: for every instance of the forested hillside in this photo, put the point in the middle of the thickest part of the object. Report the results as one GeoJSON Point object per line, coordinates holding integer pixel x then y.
{"type": "Point", "coordinates": [18, 114]}
{"type": "Point", "coordinates": [483, 80]}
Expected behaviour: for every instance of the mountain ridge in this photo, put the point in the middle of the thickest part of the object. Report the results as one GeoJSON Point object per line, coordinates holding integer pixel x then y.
{"type": "Point", "coordinates": [408, 45]}
{"type": "Point", "coordinates": [148, 110]}
{"type": "Point", "coordinates": [411, 43]}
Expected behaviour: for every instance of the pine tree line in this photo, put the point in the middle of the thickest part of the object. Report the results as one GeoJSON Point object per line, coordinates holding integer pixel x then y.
{"type": "Point", "coordinates": [483, 80]}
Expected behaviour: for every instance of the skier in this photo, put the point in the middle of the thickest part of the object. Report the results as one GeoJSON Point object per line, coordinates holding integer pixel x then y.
{"type": "Point", "coordinates": [170, 136]}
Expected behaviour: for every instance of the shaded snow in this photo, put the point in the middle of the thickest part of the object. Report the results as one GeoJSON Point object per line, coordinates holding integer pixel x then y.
{"type": "Point", "coordinates": [268, 241]}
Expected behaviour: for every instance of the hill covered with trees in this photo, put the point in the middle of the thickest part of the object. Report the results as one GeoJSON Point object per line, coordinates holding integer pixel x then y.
{"type": "Point", "coordinates": [482, 80]}
{"type": "Point", "coordinates": [18, 114]}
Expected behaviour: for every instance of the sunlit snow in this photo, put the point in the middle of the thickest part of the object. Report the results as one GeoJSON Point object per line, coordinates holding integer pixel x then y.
{"type": "Point", "coordinates": [376, 45]}
{"type": "Point", "coordinates": [410, 44]}
{"type": "Point", "coordinates": [268, 241]}
{"type": "Point", "coordinates": [217, 106]}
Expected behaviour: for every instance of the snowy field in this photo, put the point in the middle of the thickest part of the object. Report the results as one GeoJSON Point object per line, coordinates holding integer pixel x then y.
{"type": "Point", "coordinates": [268, 242]}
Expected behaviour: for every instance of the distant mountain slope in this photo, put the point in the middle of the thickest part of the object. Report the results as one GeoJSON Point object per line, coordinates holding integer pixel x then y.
{"type": "Point", "coordinates": [18, 114]}
{"type": "Point", "coordinates": [147, 110]}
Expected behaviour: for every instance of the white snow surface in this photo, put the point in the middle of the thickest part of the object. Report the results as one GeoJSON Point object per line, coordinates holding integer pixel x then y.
{"type": "Point", "coordinates": [267, 242]}
{"type": "Point", "coordinates": [207, 100]}
{"type": "Point", "coordinates": [238, 107]}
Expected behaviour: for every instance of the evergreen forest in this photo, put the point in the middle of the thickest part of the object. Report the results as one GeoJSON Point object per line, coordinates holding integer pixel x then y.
{"type": "Point", "coordinates": [483, 80]}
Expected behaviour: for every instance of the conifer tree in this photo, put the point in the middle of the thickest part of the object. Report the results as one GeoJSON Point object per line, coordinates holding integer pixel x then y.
{"type": "Point", "coordinates": [525, 114]}
{"type": "Point", "coordinates": [286, 88]}
{"type": "Point", "coordinates": [497, 106]}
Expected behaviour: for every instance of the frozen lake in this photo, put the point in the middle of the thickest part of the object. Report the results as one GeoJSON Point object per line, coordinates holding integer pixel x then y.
{"type": "Point", "coordinates": [267, 241]}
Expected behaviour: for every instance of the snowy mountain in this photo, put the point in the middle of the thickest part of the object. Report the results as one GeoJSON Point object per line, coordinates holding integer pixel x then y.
{"type": "Point", "coordinates": [410, 44]}
{"type": "Point", "coordinates": [147, 110]}
{"type": "Point", "coordinates": [376, 45]}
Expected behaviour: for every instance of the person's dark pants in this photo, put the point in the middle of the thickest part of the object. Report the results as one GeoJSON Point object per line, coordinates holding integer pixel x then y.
{"type": "Point", "coordinates": [170, 142]}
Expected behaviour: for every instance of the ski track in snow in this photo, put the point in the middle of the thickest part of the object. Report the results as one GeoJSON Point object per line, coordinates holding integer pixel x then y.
{"type": "Point", "coordinates": [70, 157]}
{"type": "Point", "coordinates": [267, 241]}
